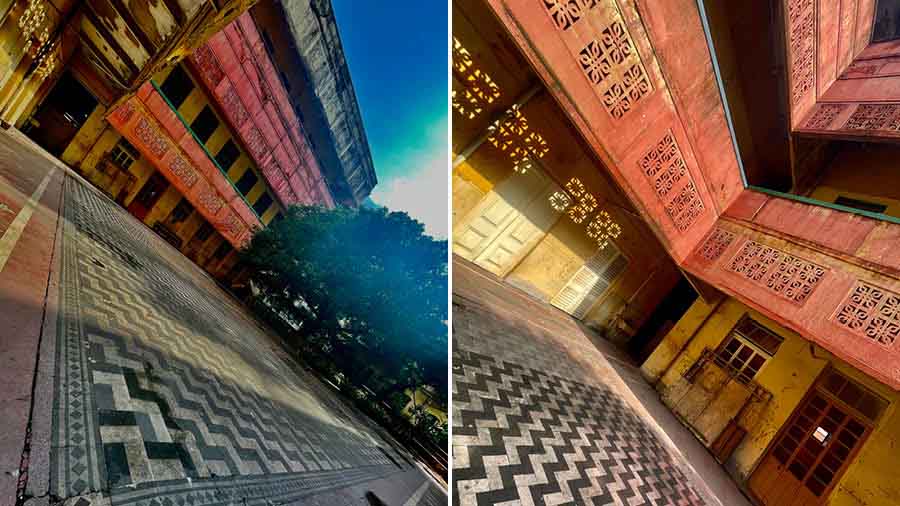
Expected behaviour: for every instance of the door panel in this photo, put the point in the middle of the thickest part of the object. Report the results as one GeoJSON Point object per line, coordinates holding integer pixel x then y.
{"type": "Point", "coordinates": [507, 223]}
{"type": "Point", "coordinates": [810, 455]}
{"type": "Point", "coordinates": [521, 235]}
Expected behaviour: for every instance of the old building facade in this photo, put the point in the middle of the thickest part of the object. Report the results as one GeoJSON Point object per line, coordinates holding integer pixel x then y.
{"type": "Point", "coordinates": [746, 152]}
{"type": "Point", "coordinates": [215, 141]}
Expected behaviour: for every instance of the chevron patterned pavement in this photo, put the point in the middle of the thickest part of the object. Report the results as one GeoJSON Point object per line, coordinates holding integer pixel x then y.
{"type": "Point", "coordinates": [168, 393]}
{"type": "Point", "coordinates": [538, 421]}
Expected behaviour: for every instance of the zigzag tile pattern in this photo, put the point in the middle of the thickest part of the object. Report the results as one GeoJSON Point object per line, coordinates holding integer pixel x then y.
{"type": "Point", "coordinates": [163, 384]}
{"type": "Point", "coordinates": [527, 437]}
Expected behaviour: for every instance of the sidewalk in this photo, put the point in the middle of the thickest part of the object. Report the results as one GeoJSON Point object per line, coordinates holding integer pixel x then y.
{"type": "Point", "coordinates": [503, 337]}
{"type": "Point", "coordinates": [30, 197]}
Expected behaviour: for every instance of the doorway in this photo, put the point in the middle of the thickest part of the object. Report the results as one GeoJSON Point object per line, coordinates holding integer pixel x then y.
{"type": "Point", "coordinates": [818, 443]}
{"type": "Point", "coordinates": [147, 197]}
{"type": "Point", "coordinates": [61, 115]}
{"type": "Point", "coordinates": [507, 223]}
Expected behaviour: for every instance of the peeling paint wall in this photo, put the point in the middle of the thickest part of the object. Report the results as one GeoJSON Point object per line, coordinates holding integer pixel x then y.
{"type": "Point", "coordinates": [872, 479]}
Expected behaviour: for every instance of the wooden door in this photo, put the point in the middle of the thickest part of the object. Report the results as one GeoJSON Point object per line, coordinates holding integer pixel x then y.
{"type": "Point", "coordinates": [507, 223]}
{"type": "Point", "coordinates": [147, 197]}
{"type": "Point", "coordinates": [61, 114]}
{"type": "Point", "coordinates": [590, 281]}
{"type": "Point", "coordinates": [810, 456]}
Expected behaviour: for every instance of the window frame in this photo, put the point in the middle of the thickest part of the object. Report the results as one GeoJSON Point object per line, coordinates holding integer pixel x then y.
{"type": "Point", "coordinates": [729, 357]}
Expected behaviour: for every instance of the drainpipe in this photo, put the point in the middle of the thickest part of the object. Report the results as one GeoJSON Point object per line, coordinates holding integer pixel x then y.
{"type": "Point", "coordinates": [523, 99]}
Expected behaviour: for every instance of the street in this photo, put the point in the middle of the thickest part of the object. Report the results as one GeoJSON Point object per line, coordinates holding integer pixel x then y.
{"type": "Point", "coordinates": [131, 377]}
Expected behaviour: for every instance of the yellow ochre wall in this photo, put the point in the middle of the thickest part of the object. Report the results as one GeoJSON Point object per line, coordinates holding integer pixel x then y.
{"type": "Point", "coordinates": [564, 249]}
{"type": "Point", "coordinates": [879, 183]}
{"type": "Point", "coordinates": [874, 476]}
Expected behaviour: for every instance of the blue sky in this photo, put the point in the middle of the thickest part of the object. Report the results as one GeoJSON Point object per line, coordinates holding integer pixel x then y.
{"type": "Point", "coordinates": [397, 53]}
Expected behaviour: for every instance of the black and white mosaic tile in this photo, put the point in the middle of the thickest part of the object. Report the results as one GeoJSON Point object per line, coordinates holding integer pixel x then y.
{"type": "Point", "coordinates": [526, 436]}
{"type": "Point", "coordinates": [167, 394]}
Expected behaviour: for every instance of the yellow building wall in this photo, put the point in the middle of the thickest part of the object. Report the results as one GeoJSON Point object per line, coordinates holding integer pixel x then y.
{"type": "Point", "coordinates": [872, 479]}
{"type": "Point", "coordinates": [422, 398]}
{"type": "Point", "coordinates": [878, 183]}
{"type": "Point", "coordinates": [558, 255]}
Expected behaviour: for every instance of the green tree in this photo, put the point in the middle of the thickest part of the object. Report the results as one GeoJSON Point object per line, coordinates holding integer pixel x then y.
{"type": "Point", "coordinates": [366, 288]}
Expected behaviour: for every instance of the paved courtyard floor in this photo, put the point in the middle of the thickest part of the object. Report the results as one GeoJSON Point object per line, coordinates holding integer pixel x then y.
{"type": "Point", "coordinates": [546, 412]}
{"type": "Point", "coordinates": [152, 387]}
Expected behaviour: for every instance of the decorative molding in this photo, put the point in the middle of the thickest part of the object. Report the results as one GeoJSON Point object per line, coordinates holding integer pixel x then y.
{"type": "Point", "coordinates": [716, 244]}
{"type": "Point", "coordinates": [871, 312]}
{"type": "Point", "coordinates": [150, 137]}
{"type": "Point", "coordinates": [668, 175]}
{"type": "Point", "coordinates": [566, 13]}
{"type": "Point", "coordinates": [824, 115]}
{"type": "Point", "coordinates": [785, 275]}
{"type": "Point", "coordinates": [802, 25]}
{"type": "Point", "coordinates": [613, 66]}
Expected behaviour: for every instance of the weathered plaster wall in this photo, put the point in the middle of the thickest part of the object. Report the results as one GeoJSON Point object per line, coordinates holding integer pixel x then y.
{"type": "Point", "coordinates": [870, 480]}
{"type": "Point", "coordinates": [877, 183]}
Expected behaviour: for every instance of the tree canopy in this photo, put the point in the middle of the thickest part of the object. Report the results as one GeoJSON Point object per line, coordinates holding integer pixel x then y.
{"type": "Point", "coordinates": [364, 286]}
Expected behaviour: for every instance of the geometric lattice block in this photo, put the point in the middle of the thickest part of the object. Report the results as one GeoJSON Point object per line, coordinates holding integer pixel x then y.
{"type": "Point", "coordinates": [782, 274]}
{"type": "Point", "coordinates": [871, 312]}
{"type": "Point", "coordinates": [716, 244]}
{"type": "Point", "coordinates": [667, 173]}
{"type": "Point", "coordinates": [824, 115]}
{"type": "Point", "coordinates": [802, 25]}
{"type": "Point", "coordinates": [566, 12]}
{"type": "Point", "coordinates": [611, 63]}
{"type": "Point", "coordinates": [874, 117]}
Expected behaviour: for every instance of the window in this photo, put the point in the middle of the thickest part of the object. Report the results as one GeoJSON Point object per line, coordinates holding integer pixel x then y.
{"type": "Point", "coordinates": [205, 124]}
{"type": "Point", "coordinates": [262, 204]}
{"type": "Point", "coordinates": [203, 232]}
{"type": "Point", "coordinates": [181, 211]}
{"type": "Point", "coordinates": [228, 155]}
{"type": "Point", "coordinates": [860, 204]}
{"type": "Point", "coordinates": [123, 154]}
{"type": "Point", "coordinates": [746, 349]}
{"type": "Point", "coordinates": [247, 181]}
{"type": "Point", "coordinates": [867, 403]}
{"type": "Point", "coordinates": [177, 86]}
